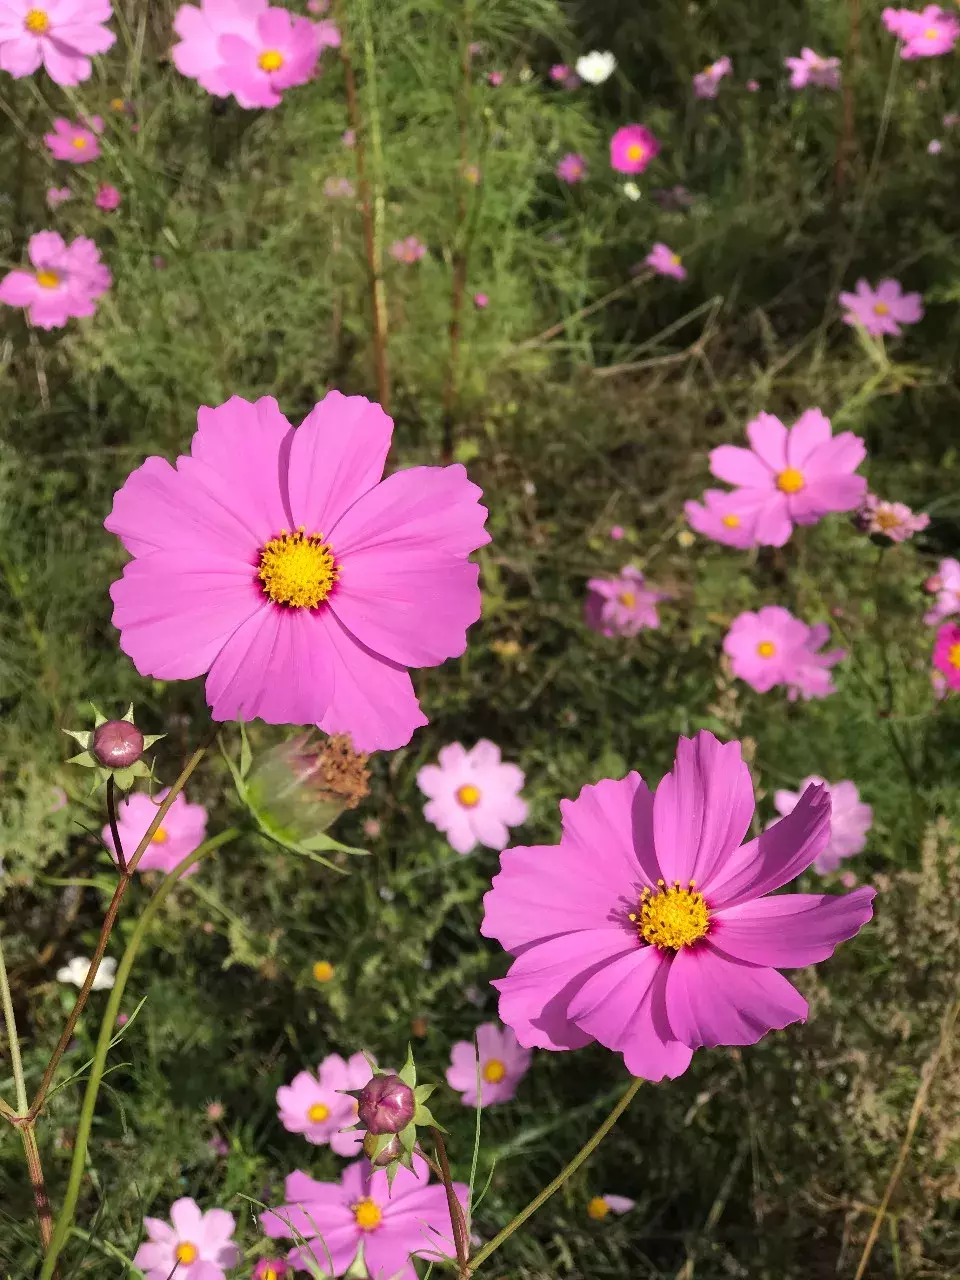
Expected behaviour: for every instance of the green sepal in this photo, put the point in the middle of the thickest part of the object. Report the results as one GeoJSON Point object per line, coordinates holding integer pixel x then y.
{"type": "Point", "coordinates": [408, 1072]}
{"type": "Point", "coordinates": [424, 1116]}
{"type": "Point", "coordinates": [408, 1136]}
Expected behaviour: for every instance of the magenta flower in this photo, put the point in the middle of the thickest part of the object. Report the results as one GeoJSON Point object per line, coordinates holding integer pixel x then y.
{"type": "Point", "coordinates": [280, 563]}
{"type": "Point", "coordinates": [183, 830]}
{"type": "Point", "coordinates": [665, 262]}
{"type": "Point", "coordinates": [74, 143]}
{"type": "Point", "coordinates": [495, 79]}
{"type": "Point", "coordinates": [850, 820]}
{"type": "Point", "coordinates": [194, 1245]}
{"type": "Point", "coordinates": [315, 1106]}
{"type": "Point", "coordinates": [752, 86]}
{"type": "Point", "coordinates": [794, 476]}
{"type": "Point", "coordinates": [632, 148]}
{"type": "Point", "coordinates": [617, 531]}
{"type": "Point", "coordinates": [408, 250]}
{"type": "Point", "coordinates": [560, 72]}
{"type": "Point", "coordinates": [653, 932]}
{"type": "Point", "coordinates": [728, 516]}
{"type": "Point", "coordinates": [271, 1269]}
{"type": "Point", "coordinates": [946, 654]}
{"type": "Point", "coordinates": [707, 82]}
{"type": "Point", "coordinates": [107, 197]}
{"type": "Point", "coordinates": [65, 282]}
{"type": "Point", "coordinates": [882, 310]}
{"type": "Point", "coordinates": [57, 196]}
{"type": "Point", "coordinates": [197, 54]}
{"type": "Point", "coordinates": [810, 68]}
{"type": "Point", "coordinates": [473, 797]}
{"type": "Point", "coordinates": [571, 168]}
{"type": "Point", "coordinates": [339, 188]}
{"type": "Point", "coordinates": [503, 1064]}
{"type": "Point", "coordinates": [481, 301]}
{"type": "Point", "coordinates": [59, 33]}
{"type": "Point", "coordinates": [280, 53]}
{"type": "Point", "coordinates": [894, 520]}
{"type": "Point", "coordinates": [622, 606]}
{"type": "Point", "coordinates": [772, 647]}
{"type": "Point", "coordinates": [926, 34]}
{"type": "Point", "coordinates": [946, 584]}
{"type": "Point", "coordinates": [412, 1219]}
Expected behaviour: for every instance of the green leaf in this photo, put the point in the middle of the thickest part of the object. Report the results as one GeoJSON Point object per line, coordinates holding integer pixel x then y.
{"type": "Point", "coordinates": [246, 755]}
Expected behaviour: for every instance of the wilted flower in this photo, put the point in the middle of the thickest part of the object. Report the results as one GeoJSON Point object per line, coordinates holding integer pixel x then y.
{"type": "Point", "coordinates": [107, 197]}
{"type": "Point", "coordinates": [300, 788]}
{"type": "Point", "coordinates": [850, 820]}
{"type": "Point", "coordinates": [571, 168]}
{"type": "Point", "coordinates": [665, 262]}
{"type": "Point", "coordinates": [623, 605]}
{"type": "Point", "coordinates": [60, 34]}
{"type": "Point", "coordinates": [473, 796]}
{"type": "Point", "coordinates": [503, 1063]}
{"type": "Point", "coordinates": [595, 67]}
{"type": "Point", "coordinates": [75, 971]}
{"type": "Point", "coordinates": [632, 148]}
{"type": "Point", "coordinates": [894, 520]}
{"type": "Point", "coordinates": [810, 68]}
{"type": "Point", "coordinates": [772, 647]}
{"type": "Point", "coordinates": [946, 654]}
{"type": "Point", "coordinates": [183, 829]}
{"type": "Point", "coordinates": [707, 82]}
{"type": "Point", "coordinates": [881, 310]}
{"type": "Point", "coordinates": [190, 1237]}
{"type": "Point", "coordinates": [75, 143]}
{"type": "Point", "coordinates": [600, 1206]}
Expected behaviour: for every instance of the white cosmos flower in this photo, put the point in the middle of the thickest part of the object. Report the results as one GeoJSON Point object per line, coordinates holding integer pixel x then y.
{"type": "Point", "coordinates": [631, 191]}
{"type": "Point", "coordinates": [595, 67]}
{"type": "Point", "coordinates": [76, 972]}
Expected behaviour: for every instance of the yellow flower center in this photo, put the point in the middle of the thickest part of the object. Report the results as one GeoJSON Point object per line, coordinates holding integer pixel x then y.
{"type": "Point", "coordinates": [887, 519]}
{"type": "Point", "coordinates": [627, 599]}
{"type": "Point", "coordinates": [117, 104]}
{"type": "Point", "coordinates": [323, 971]}
{"type": "Point", "coordinates": [766, 649]}
{"type": "Point", "coordinates": [298, 569]}
{"type": "Point", "coordinates": [48, 279]}
{"type": "Point", "coordinates": [953, 657]}
{"type": "Point", "coordinates": [36, 21]}
{"type": "Point", "coordinates": [672, 918]}
{"type": "Point", "coordinates": [271, 1274]}
{"type": "Point", "coordinates": [367, 1214]}
{"type": "Point", "coordinates": [318, 1113]}
{"type": "Point", "coordinates": [79, 143]}
{"type": "Point", "coordinates": [931, 33]}
{"type": "Point", "coordinates": [468, 795]}
{"type": "Point", "coordinates": [160, 836]}
{"type": "Point", "coordinates": [790, 481]}
{"type": "Point", "coordinates": [187, 1252]}
{"type": "Point", "coordinates": [270, 60]}
{"type": "Point", "coordinates": [674, 259]}
{"type": "Point", "coordinates": [597, 1208]}
{"type": "Point", "coordinates": [731, 521]}
{"type": "Point", "coordinates": [635, 151]}
{"type": "Point", "coordinates": [881, 309]}
{"type": "Point", "coordinates": [494, 1071]}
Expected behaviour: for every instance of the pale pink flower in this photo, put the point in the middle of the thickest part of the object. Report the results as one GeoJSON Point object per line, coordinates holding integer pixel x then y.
{"type": "Point", "coordinates": [193, 1245]}
{"type": "Point", "coordinates": [107, 197]}
{"type": "Point", "coordinates": [665, 262]}
{"type": "Point", "coordinates": [58, 799]}
{"type": "Point", "coordinates": [473, 796]}
{"type": "Point", "coordinates": [339, 188]}
{"type": "Point", "coordinates": [926, 34]}
{"type": "Point", "coordinates": [61, 34]}
{"type": "Point", "coordinates": [707, 82]}
{"type": "Point", "coordinates": [315, 1105]}
{"type": "Point", "coordinates": [503, 1064]}
{"type": "Point", "coordinates": [752, 86]}
{"type": "Point", "coordinates": [622, 606]}
{"type": "Point", "coordinates": [349, 137]}
{"type": "Point", "coordinates": [850, 820]}
{"type": "Point", "coordinates": [810, 68]}
{"type": "Point", "coordinates": [495, 79]}
{"type": "Point", "coordinates": [481, 301]}
{"type": "Point", "coordinates": [408, 250]}
{"type": "Point", "coordinates": [571, 168]}
{"type": "Point", "coordinates": [894, 520]}
{"type": "Point", "coordinates": [57, 195]}
{"type": "Point", "coordinates": [318, 6]}
{"type": "Point", "coordinates": [946, 584]}
{"type": "Point", "coordinates": [273, 1268]}
{"type": "Point", "coordinates": [881, 310]}
{"type": "Point", "coordinates": [66, 280]}
{"type": "Point", "coordinates": [600, 1206]}
{"type": "Point", "coordinates": [772, 647]}
{"type": "Point", "coordinates": [728, 516]}
{"type": "Point", "coordinates": [632, 148]}
{"type": "Point", "coordinates": [560, 72]}
{"type": "Point", "coordinates": [934, 147]}
{"type": "Point", "coordinates": [616, 532]}
{"type": "Point", "coordinates": [75, 143]}
{"type": "Point", "coordinates": [946, 654]}
{"type": "Point", "coordinates": [183, 830]}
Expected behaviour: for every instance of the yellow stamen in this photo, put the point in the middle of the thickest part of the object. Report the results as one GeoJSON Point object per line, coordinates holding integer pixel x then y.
{"type": "Point", "coordinates": [766, 648]}
{"type": "Point", "coordinates": [323, 971]}
{"type": "Point", "coordinates": [635, 151]}
{"type": "Point", "coordinates": [270, 1274]}
{"type": "Point", "coordinates": [187, 1253]}
{"type": "Point", "coordinates": [675, 259]}
{"type": "Point", "coordinates": [468, 795]}
{"type": "Point", "coordinates": [887, 519]}
{"type": "Point", "coordinates": [160, 836]}
{"type": "Point", "coordinates": [953, 657]}
{"type": "Point", "coordinates": [494, 1071]}
{"type": "Point", "coordinates": [79, 143]}
{"type": "Point", "coordinates": [298, 569]}
{"type": "Point", "coordinates": [881, 309]}
{"type": "Point", "coordinates": [318, 1113]}
{"type": "Point", "coordinates": [36, 21]}
{"type": "Point", "coordinates": [270, 60]}
{"type": "Point", "coordinates": [931, 33]}
{"type": "Point", "coordinates": [597, 1208]}
{"type": "Point", "coordinates": [367, 1214]}
{"type": "Point", "coordinates": [790, 481]}
{"type": "Point", "coordinates": [731, 521]}
{"type": "Point", "coordinates": [48, 279]}
{"type": "Point", "coordinates": [627, 599]}
{"type": "Point", "coordinates": [672, 918]}
{"type": "Point", "coordinates": [117, 104]}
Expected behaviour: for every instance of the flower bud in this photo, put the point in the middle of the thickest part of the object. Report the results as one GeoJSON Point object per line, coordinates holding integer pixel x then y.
{"type": "Point", "coordinates": [301, 787]}
{"type": "Point", "coordinates": [385, 1105]}
{"type": "Point", "coordinates": [381, 1153]}
{"type": "Point", "coordinates": [117, 744]}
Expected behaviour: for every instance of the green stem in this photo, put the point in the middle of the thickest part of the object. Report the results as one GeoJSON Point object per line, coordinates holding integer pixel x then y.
{"type": "Point", "coordinates": [78, 1164]}
{"type": "Point", "coordinates": [12, 1038]}
{"type": "Point", "coordinates": [583, 1154]}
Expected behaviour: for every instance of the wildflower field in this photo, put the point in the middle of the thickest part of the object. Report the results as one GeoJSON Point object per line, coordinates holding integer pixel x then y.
{"type": "Point", "coordinates": [479, 639]}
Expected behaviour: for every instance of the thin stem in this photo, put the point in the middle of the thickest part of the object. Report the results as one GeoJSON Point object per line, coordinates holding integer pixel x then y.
{"type": "Point", "coordinates": [12, 1038]}
{"type": "Point", "coordinates": [460, 1241]}
{"type": "Point", "coordinates": [98, 1065]}
{"type": "Point", "coordinates": [112, 819]}
{"type": "Point", "coordinates": [849, 63]}
{"type": "Point", "coordinates": [35, 1171]}
{"type": "Point", "coordinates": [582, 1155]}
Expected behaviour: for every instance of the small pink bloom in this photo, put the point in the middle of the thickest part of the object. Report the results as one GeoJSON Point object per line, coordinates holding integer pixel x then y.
{"type": "Point", "coordinates": [481, 301]}
{"type": "Point", "coordinates": [60, 34]}
{"type": "Point", "coordinates": [66, 280]}
{"type": "Point", "coordinates": [810, 68]}
{"type": "Point", "coordinates": [622, 606]}
{"type": "Point", "coordinates": [503, 1064]}
{"type": "Point", "coordinates": [632, 148]}
{"type": "Point", "coordinates": [318, 6]}
{"type": "Point", "coordinates": [339, 189]}
{"type": "Point", "coordinates": [274, 1268]}
{"type": "Point", "coordinates": [349, 137]}
{"type": "Point", "coordinates": [617, 532]}
{"type": "Point", "coordinates": [560, 72]}
{"type": "Point", "coordinates": [600, 1206]}
{"type": "Point", "coordinates": [475, 48]}
{"type": "Point", "coordinates": [408, 250]}
{"type": "Point", "coordinates": [107, 197]}
{"type": "Point", "coordinates": [894, 520]}
{"type": "Point", "coordinates": [218, 1145]}
{"type": "Point", "coordinates": [183, 830]}
{"type": "Point", "coordinates": [946, 654]}
{"type": "Point", "coordinates": [726, 516]}
{"type": "Point", "coordinates": [58, 800]}
{"type": "Point", "coordinates": [74, 143]}
{"type": "Point", "coordinates": [707, 82]}
{"type": "Point", "coordinates": [946, 584]}
{"type": "Point", "coordinates": [473, 796]}
{"type": "Point", "coordinates": [850, 820]}
{"type": "Point", "coordinates": [926, 34]}
{"type": "Point", "coordinates": [752, 86]}
{"type": "Point", "coordinates": [495, 79]}
{"type": "Point", "coordinates": [315, 1106]}
{"type": "Point", "coordinates": [571, 167]}
{"type": "Point", "coordinates": [934, 147]}
{"type": "Point", "coordinates": [57, 195]}
{"type": "Point", "coordinates": [192, 1244]}
{"type": "Point", "coordinates": [848, 880]}
{"type": "Point", "coordinates": [951, 119]}
{"type": "Point", "coordinates": [794, 476]}
{"type": "Point", "coordinates": [881, 310]}
{"type": "Point", "coordinates": [657, 931]}
{"type": "Point", "coordinates": [772, 647]}
{"type": "Point", "coordinates": [122, 1019]}
{"type": "Point", "coordinates": [665, 262]}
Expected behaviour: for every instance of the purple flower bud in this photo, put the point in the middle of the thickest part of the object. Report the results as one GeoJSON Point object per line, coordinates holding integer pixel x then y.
{"type": "Point", "coordinates": [392, 1151]}
{"type": "Point", "coordinates": [117, 744]}
{"type": "Point", "coordinates": [385, 1105]}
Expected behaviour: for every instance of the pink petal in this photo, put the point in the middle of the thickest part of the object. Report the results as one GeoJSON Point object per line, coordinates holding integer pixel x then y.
{"type": "Point", "coordinates": [20, 57]}
{"type": "Point", "coordinates": [243, 449]}
{"type": "Point", "coordinates": [792, 930]}
{"type": "Point", "coordinates": [714, 1000]}
{"type": "Point", "coordinates": [63, 67]}
{"type": "Point", "coordinates": [740, 467]}
{"type": "Point", "coordinates": [820, 496]}
{"type": "Point", "coordinates": [18, 289]}
{"type": "Point", "coordinates": [610, 825]}
{"type": "Point", "coordinates": [187, 1219]}
{"type": "Point", "coordinates": [843, 453]}
{"type": "Point", "coordinates": [768, 437]}
{"type": "Point", "coordinates": [810, 430]}
{"type": "Point", "coordinates": [774, 526]}
{"type": "Point", "coordinates": [218, 1227]}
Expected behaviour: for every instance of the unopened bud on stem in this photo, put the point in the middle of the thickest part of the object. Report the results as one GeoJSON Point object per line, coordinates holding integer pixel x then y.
{"type": "Point", "coordinates": [381, 1154]}
{"type": "Point", "coordinates": [117, 744]}
{"type": "Point", "coordinates": [385, 1105]}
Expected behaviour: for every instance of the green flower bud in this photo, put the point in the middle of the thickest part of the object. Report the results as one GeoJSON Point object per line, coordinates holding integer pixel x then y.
{"type": "Point", "coordinates": [299, 789]}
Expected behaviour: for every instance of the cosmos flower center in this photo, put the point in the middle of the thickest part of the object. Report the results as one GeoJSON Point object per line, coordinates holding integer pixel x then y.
{"type": "Point", "coordinates": [953, 656]}
{"type": "Point", "coordinates": [468, 795]}
{"type": "Point", "coordinates": [494, 1071]}
{"type": "Point", "coordinates": [675, 259]}
{"type": "Point", "coordinates": [635, 151]}
{"type": "Point", "coordinates": [766, 649]}
{"type": "Point", "coordinates": [367, 1214]}
{"type": "Point", "coordinates": [627, 599]}
{"type": "Point", "coordinates": [48, 279]}
{"type": "Point", "coordinates": [931, 33]}
{"type": "Point", "coordinates": [323, 971]}
{"type": "Point", "coordinates": [271, 1274]}
{"type": "Point", "coordinates": [731, 521]}
{"type": "Point", "coordinates": [881, 309]}
{"type": "Point", "coordinates": [298, 569]}
{"type": "Point", "coordinates": [597, 1208]}
{"type": "Point", "coordinates": [790, 481]}
{"type": "Point", "coordinates": [318, 1113]}
{"type": "Point", "coordinates": [270, 60]}
{"type": "Point", "coordinates": [160, 836]}
{"type": "Point", "coordinates": [36, 21]}
{"type": "Point", "coordinates": [671, 918]}
{"type": "Point", "coordinates": [79, 143]}
{"type": "Point", "coordinates": [887, 519]}
{"type": "Point", "coordinates": [186, 1252]}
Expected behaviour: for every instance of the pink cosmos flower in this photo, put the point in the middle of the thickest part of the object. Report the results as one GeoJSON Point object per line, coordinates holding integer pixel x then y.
{"type": "Point", "coordinates": [600, 1206]}
{"type": "Point", "coordinates": [772, 647]}
{"type": "Point", "coordinates": [194, 1245]}
{"type": "Point", "coordinates": [571, 168]}
{"type": "Point", "coordinates": [281, 52]}
{"type": "Point", "coordinates": [794, 476]}
{"type": "Point", "coordinates": [503, 1064]}
{"type": "Point", "coordinates": [926, 34]}
{"type": "Point", "coordinates": [281, 563]}
{"type": "Point", "coordinates": [107, 197]}
{"type": "Point", "coordinates": [946, 584]}
{"type": "Point", "coordinates": [882, 310]}
{"type": "Point", "coordinates": [57, 195]}
{"type": "Point", "coordinates": [271, 1269]}
{"type": "Point", "coordinates": [408, 250]}
{"type": "Point", "coordinates": [728, 516]}
{"type": "Point", "coordinates": [622, 606]}
{"type": "Point", "coordinates": [616, 532]}
{"type": "Point", "coordinates": [850, 820]}
{"type": "Point", "coordinates": [314, 1106]}
{"type": "Point", "coordinates": [632, 148]}
{"type": "Point", "coordinates": [411, 1219]}
{"type": "Point", "coordinates": [473, 797]}
{"type": "Point", "coordinates": [559, 72]}
{"type": "Point", "coordinates": [946, 654]}
{"type": "Point", "coordinates": [339, 188]}
{"type": "Point", "coordinates": [810, 68]}
{"type": "Point", "coordinates": [183, 830]}
{"type": "Point", "coordinates": [74, 143]}
{"type": "Point", "coordinates": [665, 262]}
{"type": "Point", "coordinates": [65, 282]}
{"type": "Point", "coordinates": [59, 33]}
{"type": "Point", "coordinates": [481, 301]}
{"type": "Point", "coordinates": [495, 79]}
{"type": "Point", "coordinates": [653, 931]}
{"type": "Point", "coordinates": [707, 82]}
{"type": "Point", "coordinates": [893, 519]}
